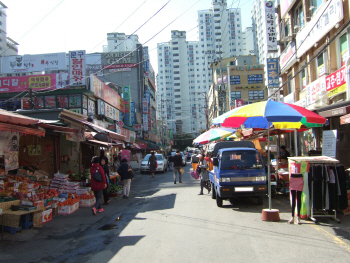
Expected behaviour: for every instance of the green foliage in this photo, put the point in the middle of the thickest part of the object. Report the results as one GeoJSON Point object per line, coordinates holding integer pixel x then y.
{"type": "Point", "coordinates": [182, 140]}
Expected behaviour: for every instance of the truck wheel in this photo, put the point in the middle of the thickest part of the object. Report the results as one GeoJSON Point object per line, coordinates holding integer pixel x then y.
{"type": "Point", "coordinates": [213, 193]}
{"type": "Point", "coordinates": [260, 200]}
{"type": "Point", "coordinates": [218, 201]}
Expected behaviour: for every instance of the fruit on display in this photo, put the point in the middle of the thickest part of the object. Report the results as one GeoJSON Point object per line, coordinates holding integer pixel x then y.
{"type": "Point", "coordinates": [19, 178]}
{"type": "Point", "coordinates": [69, 202]}
{"type": "Point", "coordinates": [86, 196]}
{"type": "Point", "coordinates": [23, 188]}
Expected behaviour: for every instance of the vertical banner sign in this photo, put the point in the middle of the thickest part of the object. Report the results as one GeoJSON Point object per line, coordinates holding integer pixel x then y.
{"type": "Point", "coordinates": [144, 106]}
{"type": "Point", "coordinates": [329, 143]}
{"type": "Point", "coordinates": [272, 72]}
{"type": "Point", "coordinates": [148, 97]}
{"type": "Point", "coordinates": [132, 113]}
{"type": "Point", "coordinates": [77, 67]}
{"type": "Point", "coordinates": [271, 36]}
{"type": "Point", "coordinates": [145, 122]}
{"type": "Point", "coordinates": [126, 97]}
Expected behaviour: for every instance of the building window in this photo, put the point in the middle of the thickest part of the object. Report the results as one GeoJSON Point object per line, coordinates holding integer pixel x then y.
{"type": "Point", "coordinates": [235, 95]}
{"type": "Point", "coordinates": [320, 65]}
{"type": "Point", "coordinates": [256, 94]}
{"type": "Point", "coordinates": [290, 83]}
{"type": "Point", "coordinates": [314, 5]}
{"type": "Point", "coordinates": [303, 78]}
{"type": "Point", "coordinates": [343, 41]}
{"type": "Point", "coordinates": [299, 18]}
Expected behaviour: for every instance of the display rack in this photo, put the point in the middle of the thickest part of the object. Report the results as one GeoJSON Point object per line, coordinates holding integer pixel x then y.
{"type": "Point", "coordinates": [318, 161]}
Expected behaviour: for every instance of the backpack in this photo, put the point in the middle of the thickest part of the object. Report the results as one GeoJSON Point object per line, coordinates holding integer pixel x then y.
{"type": "Point", "coordinates": [97, 176]}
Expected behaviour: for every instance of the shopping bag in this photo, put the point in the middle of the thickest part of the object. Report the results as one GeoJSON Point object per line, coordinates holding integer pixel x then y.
{"type": "Point", "coordinates": [194, 175]}
{"type": "Point", "coordinates": [182, 170]}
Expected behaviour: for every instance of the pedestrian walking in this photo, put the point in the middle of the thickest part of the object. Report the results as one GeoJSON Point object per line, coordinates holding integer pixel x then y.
{"type": "Point", "coordinates": [96, 171]}
{"type": "Point", "coordinates": [177, 159]}
{"type": "Point", "coordinates": [170, 160]}
{"type": "Point", "coordinates": [152, 163]}
{"type": "Point", "coordinates": [126, 177]}
{"type": "Point", "coordinates": [105, 191]}
{"type": "Point", "coordinates": [194, 160]}
{"type": "Point", "coordinates": [204, 174]}
{"type": "Point", "coordinates": [103, 157]}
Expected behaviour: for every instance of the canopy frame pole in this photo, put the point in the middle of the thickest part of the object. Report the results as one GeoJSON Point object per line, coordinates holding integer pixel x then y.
{"type": "Point", "coordinates": [296, 142]}
{"type": "Point", "coordinates": [268, 165]}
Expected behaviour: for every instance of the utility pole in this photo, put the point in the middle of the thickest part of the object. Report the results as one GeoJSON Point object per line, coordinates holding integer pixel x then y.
{"type": "Point", "coordinates": [31, 103]}
{"type": "Point", "coordinates": [206, 108]}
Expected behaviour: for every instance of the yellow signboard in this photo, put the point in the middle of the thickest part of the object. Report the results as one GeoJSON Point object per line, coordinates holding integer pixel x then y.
{"type": "Point", "coordinates": [40, 82]}
{"type": "Point", "coordinates": [336, 91]}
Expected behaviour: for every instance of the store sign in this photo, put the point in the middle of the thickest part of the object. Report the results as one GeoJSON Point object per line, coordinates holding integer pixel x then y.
{"type": "Point", "coordinates": [128, 65]}
{"type": "Point", "coordinates": [34, 63]}
{"type": "Point", "coordinates": [301, 102]}
{"type": "Point", "coordinates": [314, 90]}
{"type": "Point", "coordinates": [288, 57]}
{"type": "Point", "coordinates": [235, 80]}
{"type": "Point", "coordinates": [35, 82]}
{"type": "Point", "coordinates": [102, 91]}
{"type": "Point", "coordinates": [119, 70]}
{"type": "Point", "coordinates": [77, 68]}
{"type": "Point", "coordinates": [62, 101]}
{"type": "Point", "coordinates": [138, 127]}
{"type": "Point", "coordinates": [239, 103]}
{"type": "Point", "coordinates": [335, 112]}
{"type": "Point", "coordinates": [126, 133]}
{"type": "Point", "coordinates": [126, 96]}
{"type": "Point", "coordinates": [272, 72]}
{"type": "Point", "coordinates": [248, 67]}
{"type": "Point", "coordinates": [336, 82]}
{"type": "Point", "coordinates": [148, 97]}
{"type": "Point", "coordinates": [271, 35]}
{"type": "Point", "coordinates": [75, 101]}
{"type": "Point", "coordinates": [255, 79]}
{"type": "Point", "coordinates": [107, 110]}
{"type": "Point", "coordinates": [290, 98]}
{"type": "Point", "coordinates": [132, 113]}
{"type": "Point", "coordinates": [144, 106]}
{"type": "Point", "coordinates": [145, 122]}
{"type": "Point", "coordinates": [321, 23]}
{"type": "Point", "coordinates": [329, 143]}
{"type": "Point", "coordinates": [91, 107]}
{"type": "Point", "coordinates": [85, 102]}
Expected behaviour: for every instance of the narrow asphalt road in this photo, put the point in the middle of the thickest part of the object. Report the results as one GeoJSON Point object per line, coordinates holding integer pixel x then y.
{"type": "Point", "coordinates": [167, 222]}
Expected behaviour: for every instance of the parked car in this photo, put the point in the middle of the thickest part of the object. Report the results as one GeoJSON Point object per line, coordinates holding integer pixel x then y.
{"type": "Point", "coordinates": [161, 160]}
{"type": "Point", "coordinates": [183, 157]}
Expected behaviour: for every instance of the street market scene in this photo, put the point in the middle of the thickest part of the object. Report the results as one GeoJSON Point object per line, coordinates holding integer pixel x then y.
{"type": "Point", "coordinates": [207, 131]}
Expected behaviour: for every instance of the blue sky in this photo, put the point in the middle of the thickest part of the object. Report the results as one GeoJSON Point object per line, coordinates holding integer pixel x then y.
{"type": "Point", "coordinates": [77, 24]}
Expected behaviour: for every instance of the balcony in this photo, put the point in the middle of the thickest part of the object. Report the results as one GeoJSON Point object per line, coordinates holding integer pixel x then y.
{"type": "Point", "coordinates": [286, 31]}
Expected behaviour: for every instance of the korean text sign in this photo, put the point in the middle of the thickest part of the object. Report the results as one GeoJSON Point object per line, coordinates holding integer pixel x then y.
{"type": "Point", "coordinates": [36, 82]}
{"type": "Point", "coordinates": [271, 35]}
{"type": "Point", "coordinates": [272, 72]}
{"type": "Point", "coordinates": [77, 68]}
{"type": "Point", "coordinates": [336, 79]}
{"type": "Point", "coordinates": [126, 96]}
{"type": "Point", "coordinates": [33, 63]}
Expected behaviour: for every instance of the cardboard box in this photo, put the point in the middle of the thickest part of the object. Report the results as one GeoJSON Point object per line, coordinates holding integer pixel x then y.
{"type": "Point", "coordinates": [39, 204]}
{"type": "Point", "coordinates": [345, 212]}
{"type": "Point", "coordinates": [66, 210]}
{"type": "Point", "coordinates": [47, 216]}
{"type": "Point", "coordinates": [37, 219]}
{"type": "Point", "coordinates": [87, 202]}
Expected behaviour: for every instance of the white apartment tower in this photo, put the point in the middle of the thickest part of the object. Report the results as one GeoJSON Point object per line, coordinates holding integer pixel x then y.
{"type": "Point", "coordinates": [248, 42]}
{"type": "Point", "coordinates": [184, 74]}
{"type": "Point", "coordinates": [8, 47]}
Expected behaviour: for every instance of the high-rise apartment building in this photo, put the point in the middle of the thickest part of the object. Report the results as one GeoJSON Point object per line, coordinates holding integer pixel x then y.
{"type": "Point", "coordinates": [184, 73]}
{"type": "Point", "coordinates": [248, 42]}
{"type": "Point", "coordinates": [8, 47]}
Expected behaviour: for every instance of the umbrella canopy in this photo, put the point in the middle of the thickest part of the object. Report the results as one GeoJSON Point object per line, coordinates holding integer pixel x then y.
{"type": "Point", "coordinates": [213, 135]}
{"type": "Point", "coordinates": [260, 114]}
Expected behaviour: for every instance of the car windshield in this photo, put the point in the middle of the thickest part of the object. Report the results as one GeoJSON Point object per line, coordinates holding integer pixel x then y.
{"type": "Point", "coordinates": [243, 159]}
{"type": "Point", "coordinates": [159, 157]}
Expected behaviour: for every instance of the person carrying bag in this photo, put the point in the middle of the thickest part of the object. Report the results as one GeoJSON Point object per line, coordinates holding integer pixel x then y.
{"type": "Point", "coordinates": [127, 175]}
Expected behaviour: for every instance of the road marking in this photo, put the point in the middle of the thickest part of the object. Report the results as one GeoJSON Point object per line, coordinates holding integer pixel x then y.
{"type": "Point", "coordinates": [336, 240]}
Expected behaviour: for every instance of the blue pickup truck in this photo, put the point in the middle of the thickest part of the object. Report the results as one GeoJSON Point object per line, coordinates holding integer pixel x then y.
{"type": "Point", "coordinates": [238, 171]}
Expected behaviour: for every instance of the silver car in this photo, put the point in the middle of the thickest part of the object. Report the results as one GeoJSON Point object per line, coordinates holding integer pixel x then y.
{"type": "Point", "coordinates": [162, 164]}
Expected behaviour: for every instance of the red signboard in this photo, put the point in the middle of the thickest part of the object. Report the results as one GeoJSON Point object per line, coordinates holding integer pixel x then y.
{"type": "Point", "coordinates": [336, 79]}
{"type": "Point", "coordinates": [101, 90]}
{"type": "Point", "coordinates": [23, 83]}
{"type": "Point", "coordinates": [239, 103]}
{"type": "Point", "coordinates": [132, 65]}
{"type": "Point", "coordinates": [126, 133]}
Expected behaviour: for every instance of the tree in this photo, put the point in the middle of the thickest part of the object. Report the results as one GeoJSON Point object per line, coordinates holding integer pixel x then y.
{"type": "Point", "coordinates": [183, 140]}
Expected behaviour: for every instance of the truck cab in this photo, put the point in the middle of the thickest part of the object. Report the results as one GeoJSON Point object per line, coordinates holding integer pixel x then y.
{"type": "Point", "coordinates": [237, 172]}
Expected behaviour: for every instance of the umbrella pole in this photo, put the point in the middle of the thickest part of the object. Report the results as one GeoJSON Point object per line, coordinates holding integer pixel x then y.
{"type": "Point", "coordinates": [268, 165]}
{"type": "Point", "coordinates": [295, 142]}
{"type": "Point", "coordinates": [269, 214]}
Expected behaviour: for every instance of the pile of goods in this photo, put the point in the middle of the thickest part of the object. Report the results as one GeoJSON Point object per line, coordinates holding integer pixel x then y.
{"type": "Point", "coordinates": [69, 206]}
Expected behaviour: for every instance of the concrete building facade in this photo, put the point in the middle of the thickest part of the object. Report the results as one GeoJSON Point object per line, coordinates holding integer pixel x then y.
{"type": "Point", "coordinates": [8, 47]}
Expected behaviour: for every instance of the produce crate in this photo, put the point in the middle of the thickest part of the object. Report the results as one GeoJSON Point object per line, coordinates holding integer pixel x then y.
{"type": "Point", "coordinates": [87, 202]}
{"type": "Point", "coordinates": [45, 183]}
{"type": "Point", "coordinates": [37, 219]}
{"type": "Point", "coordinates": [81, 191]}
{"type": "Point", "coordinates": [47, 216]}
{"type": "Point", "coordinates": [66, 210]}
